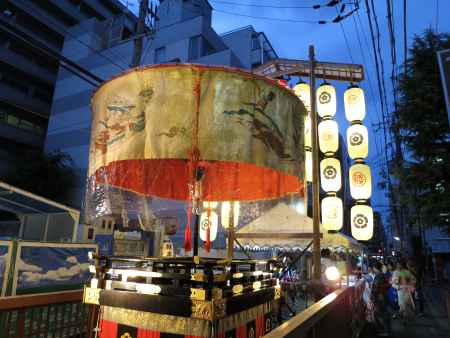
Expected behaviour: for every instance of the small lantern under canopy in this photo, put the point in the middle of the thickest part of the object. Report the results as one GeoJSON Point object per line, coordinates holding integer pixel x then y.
{"type": "Point", "coordinates": [225, 216]}
{"type": "Point", "coordinates": [328, 136]}
{"type": "Point", "coordinates": [302, 90]}
{"type": "Point", "coordinates": [357, 141]}
{"type": "Point", "coordinates": [210, 221]}
{"type": "Point", "coordinates": [332, 213]}
{"type": "Point", "coordinates": [360, 181]}
{"type": "Point", "coordinates": [361, 217]}
{"type": "Point", "coordinates": [308, 136]}
{"type": "Point", "coordinates": [326, 100]}
{"type": "Point", "coordinates": [308, 166]}
{"type": "Point", "coordinates": [354, 103]}
{"type": "Point", "coordinates": [330, 174]}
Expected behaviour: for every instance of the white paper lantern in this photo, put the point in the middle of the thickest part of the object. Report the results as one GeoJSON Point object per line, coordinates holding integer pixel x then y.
{"type": "Point", "coordinates": [326, 100]}
{"type": "Point", "coordinates": [308, 165]}
{"type": "Point", "coordinates": [225, 214]}
{"type": "Point", "coordinates": [302, 90]}
{"type": "Point", "coordinates": [357, 141]}
{"type": "Point", "coordinates": [355, 105]}
{"type": "Point", "coordinates": [308, 135]}
{"type": "Point", "coordinates": [360, 181]}
{"type": "Point", "coordinates": [361, 217]}
{"type": "Point", "coordinates": [211, 222]}
{"type": "Point", "coordinates": [332, 213]}
{"type": "Point", "coordinates": [328, 136]}
{"type": "Point", "coordinates": [330, 174]}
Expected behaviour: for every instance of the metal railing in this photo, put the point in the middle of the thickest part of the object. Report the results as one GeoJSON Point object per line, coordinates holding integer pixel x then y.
{"type": "Point", "coordinates": [340, 313]}
{"type": "Point", "coordinates": [57, 315]}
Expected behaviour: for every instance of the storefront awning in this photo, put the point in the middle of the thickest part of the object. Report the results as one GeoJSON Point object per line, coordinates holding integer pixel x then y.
{"type": "Point", "coordinates": [22, 202]}
{"type": "Point", "coordinates": [284, 227]}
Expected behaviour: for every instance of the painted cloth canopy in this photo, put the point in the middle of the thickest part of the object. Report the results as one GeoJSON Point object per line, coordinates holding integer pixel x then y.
{"type": "Point", "coordinates": [152, 127]}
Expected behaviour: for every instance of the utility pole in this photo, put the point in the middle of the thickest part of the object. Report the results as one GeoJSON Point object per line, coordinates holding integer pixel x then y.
{"type": "Point", "coordinates": [315, 168]}
{"type": "Point", "coordinates": [138, 41]}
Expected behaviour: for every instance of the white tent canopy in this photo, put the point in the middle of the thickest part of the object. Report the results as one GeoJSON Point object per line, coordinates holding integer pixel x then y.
{"type": "Point", "coordinates": [284, 227]}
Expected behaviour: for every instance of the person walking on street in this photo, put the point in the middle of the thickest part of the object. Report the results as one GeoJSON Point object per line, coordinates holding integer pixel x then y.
{"type": "Point", "coordinates": [417, 273]}
{"type": "Point", "coordinates": [405, 286]}
{"type": "Point", "coordinates": [379, 297]}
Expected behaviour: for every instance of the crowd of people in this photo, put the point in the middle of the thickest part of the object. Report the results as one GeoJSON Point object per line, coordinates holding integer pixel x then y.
{"type": "Point", "coordinates": [393, 290]}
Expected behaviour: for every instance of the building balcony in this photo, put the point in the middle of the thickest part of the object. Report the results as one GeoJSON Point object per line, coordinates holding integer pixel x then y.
{"type": "Point", "coordinates": [19, 98]}
{"type": "Point", "coordinates": [21, 136]}
{"type": "Point", "coordinates": [26, 65]}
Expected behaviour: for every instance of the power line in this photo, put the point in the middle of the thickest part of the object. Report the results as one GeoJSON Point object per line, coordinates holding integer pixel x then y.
{"type": "Point", "coordinates": [263, 6]}
{"type": "Point", "coordinates": [437, 16]}
{"type": "Point", "coordinates": [371, 91]}
{"type": "Point", "coordinates": [405, 38]}
{"type": "Point", "coordinates": [377, 27]}
{"type": "Point", "coordinates": [270, 18]}
{"type": "Point", "coordinates": [345, 38]}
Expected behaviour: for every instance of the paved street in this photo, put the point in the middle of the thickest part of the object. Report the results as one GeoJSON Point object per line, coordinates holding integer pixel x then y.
{"type": "Point", "coordinates": [435, 324]}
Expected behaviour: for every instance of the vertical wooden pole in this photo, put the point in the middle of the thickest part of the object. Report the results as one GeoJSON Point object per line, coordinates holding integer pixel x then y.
{"type": "Point", "coordinates": [137, 53]}
{"type": "Point", "coordinates": [315, 169]}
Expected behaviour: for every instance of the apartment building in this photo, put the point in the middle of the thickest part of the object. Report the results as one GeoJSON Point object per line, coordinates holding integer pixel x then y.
{"type": "Point", "coordinates": [28, 76]}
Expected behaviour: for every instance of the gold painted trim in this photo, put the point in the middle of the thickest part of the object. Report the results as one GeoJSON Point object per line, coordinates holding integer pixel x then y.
{"type": "Point", "coordinates": [157, 322]}
{"type": "Point", "coordinates": [202, 310]}
{"type": "Point", "coordinates": [277, 292]}
{"type": "Point", "coordinates": [238, 288]}
{"type": "Point", "coordinates": [257, 285]}
{"type": "Point", "coordinates": [198, 294]}
{"type": "Point", "coordinates": [198, 277]}
{"type": "Point", "coordinates": [242, 318]}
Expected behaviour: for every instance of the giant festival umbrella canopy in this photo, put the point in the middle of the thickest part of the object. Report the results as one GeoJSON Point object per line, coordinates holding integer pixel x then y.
{"type": "Point", "coordinates": [154, 127]}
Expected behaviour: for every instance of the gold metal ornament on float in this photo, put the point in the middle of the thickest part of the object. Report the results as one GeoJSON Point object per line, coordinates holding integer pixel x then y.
{"type": "Point", "coordinates": [326, 100]}
{"type": "Point", "coordinates": [362, 222]}
{"type": "Point", "coordinates": [357, 141]}
{"type": "Point", "coordinates": [328, 136]}
{"type": "Point", "coordinates": [330, 174]}
{"type": "Point", "coordinates": [332, 213]}
{"type": "Point", "coordinates": [354, 103]}
{"type": "Point", "coordinates": [360, 181]}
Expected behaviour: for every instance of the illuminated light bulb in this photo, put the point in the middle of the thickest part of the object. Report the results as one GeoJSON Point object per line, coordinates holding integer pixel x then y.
{"type": "Point", "coordinates": [332, 273]}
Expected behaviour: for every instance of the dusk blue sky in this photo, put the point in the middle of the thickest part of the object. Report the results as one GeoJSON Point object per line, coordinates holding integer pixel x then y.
{"type": "Point", "coordinates": [291, 40]}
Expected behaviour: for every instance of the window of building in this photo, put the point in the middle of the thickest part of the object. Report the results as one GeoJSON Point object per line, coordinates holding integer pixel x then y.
{"type": "Point", "coordinates": [195, 47]}
{"type": "Point", "coordinates": [160, 55]}
{"type": "Point", "coordinates": [90, 12]}
{"type": "Point", "coordinates": [255, 42]}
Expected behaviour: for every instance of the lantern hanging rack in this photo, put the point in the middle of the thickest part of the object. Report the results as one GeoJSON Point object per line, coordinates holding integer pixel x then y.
{"type": "Point", "coordinates": [330, 70]}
